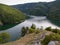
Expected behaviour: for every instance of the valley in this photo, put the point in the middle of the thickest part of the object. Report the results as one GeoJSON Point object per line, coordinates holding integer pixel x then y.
{"type": "Point", "coordinates": [35, 23]}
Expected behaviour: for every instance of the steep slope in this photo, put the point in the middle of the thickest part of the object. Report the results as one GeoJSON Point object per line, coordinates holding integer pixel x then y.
{"type": "Point", "coordinates": [10, 15]}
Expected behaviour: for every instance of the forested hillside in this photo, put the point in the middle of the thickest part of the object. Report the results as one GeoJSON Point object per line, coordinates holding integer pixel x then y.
{"type": "Point", "coordinates": [54, 12]}
{"type": "Point", "coordinates": [10, 15]}
{"type": "Point", "coordinates": [50, 9]}
{"type": "Point", "coordinates": [33, 8]}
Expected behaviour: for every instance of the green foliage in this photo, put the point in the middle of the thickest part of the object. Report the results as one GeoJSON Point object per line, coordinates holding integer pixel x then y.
{"type": "Point", "coordinates": [10, 15]}
{"type": "Point", "coordinates": [27, 30]}
{"type": "Point", "coordinates": [46, 40]}
{"type": "Point", "coordinates": [33, 26]}
{"type": "Point", "coordinates": [4, 37]}
{"type": "Point", "coordinates": [38, 9]}
{"type": "Point", "coordinates": [48, 29]}
{"type": "Point", "coordinates": [31, 30]}
{"type": "Point", "coordinates": [23, 31]}
{"type": "Point", "coordinates": [53, 30]}
{"type": "Point", "coordinates": [51, 10]}
{"type": "Point", "coordinates": [55, 37]}
{"type": "Point", "coordinates": [54, 13]}
{"type": "Point", "coordinates": [51, 37]}
{"type": "Point", "coordinates": [37, 31]}
{"type": "Point", "coordinates": [56, 30]}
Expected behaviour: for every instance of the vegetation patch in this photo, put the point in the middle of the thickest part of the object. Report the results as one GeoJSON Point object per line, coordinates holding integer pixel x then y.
{"type": "Point", "coordinates": [27, 30]}
{"type": "Point", "coordinates": [4, 37]}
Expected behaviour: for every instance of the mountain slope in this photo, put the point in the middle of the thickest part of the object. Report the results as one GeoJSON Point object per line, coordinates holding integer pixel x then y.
{"type": "Point", "coordinates": [10, 15]}
{"type": "Point", "coordinates": [50, 9]}
{"type": "Point", "coordinates": [54, 12]}
{"type": "Point", "coordinates": [33, 8]}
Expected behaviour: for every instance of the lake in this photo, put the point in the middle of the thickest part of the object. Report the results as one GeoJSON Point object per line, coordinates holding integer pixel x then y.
{"type": "Point", "coordinates": [39, 21]}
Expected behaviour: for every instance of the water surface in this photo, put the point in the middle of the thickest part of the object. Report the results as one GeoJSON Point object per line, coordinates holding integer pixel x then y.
{"type": "Point", "coordinates": [39, 21]}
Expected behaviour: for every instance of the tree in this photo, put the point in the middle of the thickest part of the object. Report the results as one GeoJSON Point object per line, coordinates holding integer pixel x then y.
{"type": "Point", "coordinates": [27, 28]}
{"type": "Point", "coordinates": [24, 31]}
{"type": "Point", "coordinates": [33, 26]}
{"type": "Point", "coordinates": [48, 29]}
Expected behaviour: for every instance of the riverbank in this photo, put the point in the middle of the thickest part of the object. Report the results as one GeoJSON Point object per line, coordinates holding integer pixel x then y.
{"type": "Point", "coordinates": [7, 26]}
{"type": "Point", "coordinates": [55, 22]}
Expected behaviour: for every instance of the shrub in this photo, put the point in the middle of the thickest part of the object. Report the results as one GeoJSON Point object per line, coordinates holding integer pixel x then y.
{"type": "Point", "coordinates": [33, 26]}
{"type": "Point", "coordinates": [31, 30]}
{"type": "Point", "coordinates": [4, 37]}
{"type": "Point", "coordinates": [48, 29]}
{"type": "Point", "coordinates": [51, 37]}
{"type": "Point", "coordinates": [37, 31]}
{"type": "Point", "coordinates": [23, 31]}
{"type": "Point", "coordinates": [56, 30]}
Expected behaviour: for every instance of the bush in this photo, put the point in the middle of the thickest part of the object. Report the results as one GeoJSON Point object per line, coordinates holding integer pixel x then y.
{"type": "Point", "coordinates": [24, 31]}
{"type": "Point", "coordinates": [48, 29]}
{"type": "Point", "coordinates": [56, 31]}
{"type": "Point", "coordinates": [37, 31]}
{"type": "Point", "coordinates": [4, 37]}
{"type": "Point", "coordinates": [51, 37]}
{"type": "Point", "coordinates": [31, 30]}
{"type": "Point", "coordinates": [33, 26]}
{"type": "Point", "coordinates": [46, 40]}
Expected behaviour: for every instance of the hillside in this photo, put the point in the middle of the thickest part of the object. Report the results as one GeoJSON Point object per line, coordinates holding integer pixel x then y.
{"type": "Point", "coordinates": [33, 8]}
{"type": "Point", "coordinates": [54, 12]}
{"type": "Point", "coordinates": [50, 9]}
{"type": "Point", "coordinates": [9, 15]}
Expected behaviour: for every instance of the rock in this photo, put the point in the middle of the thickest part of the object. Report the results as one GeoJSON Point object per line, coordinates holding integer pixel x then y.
{"type": "Point", "coordinates": [51, 43]}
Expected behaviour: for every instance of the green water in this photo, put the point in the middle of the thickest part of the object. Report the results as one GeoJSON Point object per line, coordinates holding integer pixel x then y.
{"type": "Point", "coordinates": [55, 22]}
{"type": "Point", "coordinates": [6, 26]}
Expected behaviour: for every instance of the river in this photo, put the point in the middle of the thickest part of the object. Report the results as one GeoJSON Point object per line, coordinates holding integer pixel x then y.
{"type": "Point", "coordinates": [39, 21]}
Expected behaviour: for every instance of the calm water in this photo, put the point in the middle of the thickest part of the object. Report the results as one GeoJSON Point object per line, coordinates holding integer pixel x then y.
{"type": "Point", "coordinates": [39, 21]}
